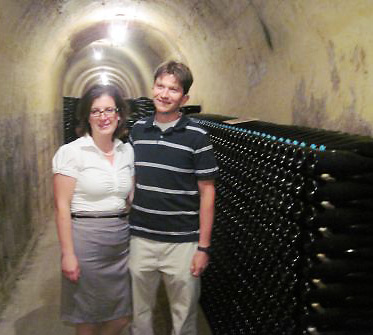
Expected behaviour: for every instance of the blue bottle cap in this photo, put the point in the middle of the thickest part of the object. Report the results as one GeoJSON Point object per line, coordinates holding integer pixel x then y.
{"type": "Point", "coordinates": [322, 147]}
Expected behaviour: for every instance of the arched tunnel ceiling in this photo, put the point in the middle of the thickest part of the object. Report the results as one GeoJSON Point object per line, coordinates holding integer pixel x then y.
{"type": "Point", "coordinates": [156, 31]}
{"type": "Point", "coordinates": [302, 62]}
{"type": "Point", "coordinates": [57, 38]}
{"type": "Point", "coordinates": [67, 31]}
{"type": "Point", "coordinates": [128, 64]}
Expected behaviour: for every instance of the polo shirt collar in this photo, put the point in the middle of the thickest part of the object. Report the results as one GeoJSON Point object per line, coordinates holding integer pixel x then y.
{"type": "Point", "coordinates": [184, 120]}
{"type": "Point", "coordinates": [182, 123]}
{"type": "Point", "coordinates": [149, 122]}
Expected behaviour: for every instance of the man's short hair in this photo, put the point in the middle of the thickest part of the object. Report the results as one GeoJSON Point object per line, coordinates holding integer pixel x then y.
{"type": "Point", "coordinates": [179, 70]}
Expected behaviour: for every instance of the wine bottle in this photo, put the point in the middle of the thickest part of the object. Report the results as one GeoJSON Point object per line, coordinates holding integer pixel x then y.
{"type": "Point", "coordinates": [339, 218]}
{"type": "Point", "coordinates": [336, 243]}
{"type": "Point", "coordinates": [338, 162]}
{"type": "Point", "coordinates": [318, 190]}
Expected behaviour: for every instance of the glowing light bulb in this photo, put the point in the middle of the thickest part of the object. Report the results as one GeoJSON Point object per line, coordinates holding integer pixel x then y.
{"type": "Point", "coordinates": [97, 54]}
{"type": "Point", "coordinates": [104, 78]}
{"type": "Point", "coordinates": [117, 33]}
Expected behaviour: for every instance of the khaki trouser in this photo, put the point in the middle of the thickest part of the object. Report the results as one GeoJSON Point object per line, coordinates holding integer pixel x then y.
{"type": "Point", "coordinates": [150, 261]}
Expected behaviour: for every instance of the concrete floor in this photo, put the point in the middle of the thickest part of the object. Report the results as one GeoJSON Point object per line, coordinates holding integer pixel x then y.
{"type": "Point", "coordinates": [33, 308]}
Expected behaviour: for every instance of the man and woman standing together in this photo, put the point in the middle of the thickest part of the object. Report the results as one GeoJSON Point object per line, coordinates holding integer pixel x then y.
{"type": "Point", "coordinates": [169, 163]}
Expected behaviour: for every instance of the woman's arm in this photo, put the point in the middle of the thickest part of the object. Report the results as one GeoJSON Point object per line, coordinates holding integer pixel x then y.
{"type": "Point", "coordinates": [63, 192]}
{"type": "Point", "coordinates": [130, 195]}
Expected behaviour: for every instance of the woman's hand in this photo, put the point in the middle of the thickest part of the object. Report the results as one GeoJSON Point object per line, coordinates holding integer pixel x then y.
{"type": "Point", "coordinates": [70, 267]}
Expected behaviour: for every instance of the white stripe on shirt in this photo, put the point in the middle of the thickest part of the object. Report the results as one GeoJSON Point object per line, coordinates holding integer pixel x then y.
{"type": "Point", "coordinates": [209, 147]}
{"type": "Point", "coordinates": [207, 170]}
{"type": "Point", "coordinates": [165, 190]}
{"type": "Point", "coordinates": [167, 144]}
{"type": "Point", "coordinates": [165, 232]}
{"type": "Point", "coordinates": [164, 167]}
{"type": "Point", "coordinates": [196, 129]}
{"type": "Point", "coordinates": [153, 211]}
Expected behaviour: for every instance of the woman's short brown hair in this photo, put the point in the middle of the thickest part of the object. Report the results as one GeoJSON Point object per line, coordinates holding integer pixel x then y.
{"type": "Point", "coordinates": [86, 102]}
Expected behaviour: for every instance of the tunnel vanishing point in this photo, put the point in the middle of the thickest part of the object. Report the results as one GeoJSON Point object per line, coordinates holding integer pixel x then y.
{"type": "Point", "coordinates": [285, 61]}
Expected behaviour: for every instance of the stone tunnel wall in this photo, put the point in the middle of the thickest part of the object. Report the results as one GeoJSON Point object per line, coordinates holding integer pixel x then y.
{"type": "Point", "coordinates": [26, 191]}
{"type": "Point", "coordinates": [30, 132]}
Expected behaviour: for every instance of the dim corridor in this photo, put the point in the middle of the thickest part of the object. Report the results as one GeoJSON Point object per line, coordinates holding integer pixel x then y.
{"type": "Point", "coordinates": [33, 308]}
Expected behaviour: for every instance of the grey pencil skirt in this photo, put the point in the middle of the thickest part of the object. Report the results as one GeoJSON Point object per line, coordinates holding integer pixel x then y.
{"type": "Point", "coordinates": [103, 291]}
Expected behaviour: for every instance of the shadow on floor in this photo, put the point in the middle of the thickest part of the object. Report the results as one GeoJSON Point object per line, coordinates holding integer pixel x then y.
{"type": "Point", "coordinates": [44, 320]}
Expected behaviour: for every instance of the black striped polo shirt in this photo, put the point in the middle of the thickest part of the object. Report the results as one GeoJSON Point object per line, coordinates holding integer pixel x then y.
{"type": "Point", "coordinates": [168, 166]}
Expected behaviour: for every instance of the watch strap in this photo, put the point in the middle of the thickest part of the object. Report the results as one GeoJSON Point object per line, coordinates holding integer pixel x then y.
{"type": "Point", "coordinates": [207, 250]}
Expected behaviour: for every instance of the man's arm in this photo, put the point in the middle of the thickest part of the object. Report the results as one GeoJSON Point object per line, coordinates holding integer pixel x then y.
{"type": "Point", "coordinates": [206, 220]}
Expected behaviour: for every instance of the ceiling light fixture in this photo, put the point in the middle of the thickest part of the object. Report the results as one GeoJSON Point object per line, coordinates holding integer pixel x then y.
{"type": "Point", "coordinates": [97, 54]}
{"type": "Point", "coordinates": [117, 33]}
{"type": "Point", "coordinates": [104, 78]}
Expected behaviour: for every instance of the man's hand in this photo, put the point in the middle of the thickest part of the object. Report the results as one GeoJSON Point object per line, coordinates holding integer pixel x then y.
{"type": "Point", "coordinates": [199, 263]}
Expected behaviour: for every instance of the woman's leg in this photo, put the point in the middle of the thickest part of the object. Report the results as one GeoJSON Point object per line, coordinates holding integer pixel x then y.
{"type": "Point", "coordinates": [87, 329]}
{"type": "Point", "coordinates": [114, 327]}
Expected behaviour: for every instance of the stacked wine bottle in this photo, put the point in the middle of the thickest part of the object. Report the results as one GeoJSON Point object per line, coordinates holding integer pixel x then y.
{"type": "Point", "coordinates": [139, 108]}
{"type": "Point", "coordinates": [293, 232]}
{"type": "Point", "coordinates": [69, 118]}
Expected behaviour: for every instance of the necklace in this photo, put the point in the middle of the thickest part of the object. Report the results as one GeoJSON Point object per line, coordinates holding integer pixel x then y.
{"type": "Point", "coordinates": [108, 154]}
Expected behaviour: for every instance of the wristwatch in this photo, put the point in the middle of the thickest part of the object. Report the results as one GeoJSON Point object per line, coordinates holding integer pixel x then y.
{"type": "Point", "coordinates": [207, 250]}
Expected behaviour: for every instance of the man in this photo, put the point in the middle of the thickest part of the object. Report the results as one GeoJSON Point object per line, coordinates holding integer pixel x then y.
{"type": "Point", "coordinates": [173, 208]}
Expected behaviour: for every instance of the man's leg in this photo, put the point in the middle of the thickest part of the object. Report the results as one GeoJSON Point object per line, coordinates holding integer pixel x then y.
{"type": "Point", "coordinates": [145, 282]}
{"type": "Point", "coordinates": [182, 288]}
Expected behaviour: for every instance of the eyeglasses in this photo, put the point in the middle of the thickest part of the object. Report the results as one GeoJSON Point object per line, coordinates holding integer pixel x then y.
{"type": "Point", "coordinates": [108, 111]}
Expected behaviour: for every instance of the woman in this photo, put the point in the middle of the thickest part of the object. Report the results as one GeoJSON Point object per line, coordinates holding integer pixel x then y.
{"type": "Point", "coordinates": [92, 180]}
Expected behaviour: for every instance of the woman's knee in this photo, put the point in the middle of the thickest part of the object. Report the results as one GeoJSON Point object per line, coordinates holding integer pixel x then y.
{"type": "Point", "coordinates": [117, 324]}
{"type": "Point", "coordinates": [87, 329]}
{"type": "Point", "coordinates": [125, 321]}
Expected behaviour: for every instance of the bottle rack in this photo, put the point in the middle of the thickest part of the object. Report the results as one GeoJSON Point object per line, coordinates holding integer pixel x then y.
{"type": "Point", "coordinates": [69, 118]}
{"type": "Point", "coordinates": [293, 232]}
{"type": "Point", "coordinates": [139, 107]}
